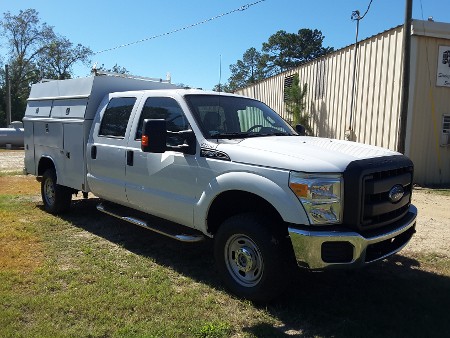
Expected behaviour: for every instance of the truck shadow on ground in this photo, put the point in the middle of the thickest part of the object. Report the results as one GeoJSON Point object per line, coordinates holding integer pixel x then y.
{"type": "Point", "coordinates": [394, 298]}
{"type": "Point", "coordinates": [192, 259]}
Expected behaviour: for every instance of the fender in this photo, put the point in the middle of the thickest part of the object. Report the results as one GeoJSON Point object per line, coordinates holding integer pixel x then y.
{"type": "Point", "coordinates": [281, 197]}
{"type": "Point", "coordinates": [45, 156]}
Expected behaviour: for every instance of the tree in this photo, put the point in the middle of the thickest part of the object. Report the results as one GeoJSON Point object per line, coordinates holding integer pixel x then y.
{"type": "Point", "coordinates": [250, 69]}
{"type": "Point", "coordinates": [115, 69]}
{"type": "Point", "coordinates": [224, 88]}
{"type": "Point", "coordinates": [2, 96]}
{"type": "Point", "coordinates": [281, 52]}
{"type": "Point", "coordinates": [288, 50]}
{"type": "Point", "coordinates": [58, 56]}
{"type": "Point", "coordinates": [25, 36]}
{"type": "Point", "coordinates": [295, 103]}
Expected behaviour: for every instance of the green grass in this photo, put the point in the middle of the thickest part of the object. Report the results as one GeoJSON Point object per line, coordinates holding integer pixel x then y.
{"type": "Point", "coordinates": [117, 286]}
{"type": "Point", "coordinates": [87, 274]}
{"type": "Point", "coordinates": [11, 173]}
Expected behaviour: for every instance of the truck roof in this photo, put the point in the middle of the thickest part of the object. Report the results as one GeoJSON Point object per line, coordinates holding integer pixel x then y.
{"type": "Point", "coordinates": [180, 91]}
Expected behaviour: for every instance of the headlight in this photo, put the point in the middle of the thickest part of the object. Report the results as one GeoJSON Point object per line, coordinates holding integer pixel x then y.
{"type": "Point", "coordinates": [320, 194]}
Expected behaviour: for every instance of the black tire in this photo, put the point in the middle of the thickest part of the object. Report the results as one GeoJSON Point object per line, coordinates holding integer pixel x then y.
{"type": "Point", "coordinates": [56, 198]}
{"type": "Point", "coordinates": [251, 258]}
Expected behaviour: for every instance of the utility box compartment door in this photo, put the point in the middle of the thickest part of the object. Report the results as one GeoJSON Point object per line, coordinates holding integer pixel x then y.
{"type": "Point", "coordinates": [40, 108]}
{"type": "Point", "coordinates": [30, 164]}
{"type": "Point", "coordinates": [74, 164]}
{"type": "Point", "coordinates": [71, 108]}
{"type": "Point", "coordinates": [48, 134]}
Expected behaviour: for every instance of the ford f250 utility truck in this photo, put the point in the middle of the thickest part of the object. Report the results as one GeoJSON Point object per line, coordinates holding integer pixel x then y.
{"type": "Point", "coordinates": [193, 164]}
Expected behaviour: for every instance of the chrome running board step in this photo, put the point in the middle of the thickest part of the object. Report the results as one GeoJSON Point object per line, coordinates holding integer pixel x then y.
{"type": "Point", "coordinates": [172, 230]}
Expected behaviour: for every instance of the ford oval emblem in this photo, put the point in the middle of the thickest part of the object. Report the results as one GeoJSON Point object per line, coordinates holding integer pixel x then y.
{"type": "Point", "coordinates": [396, 193]}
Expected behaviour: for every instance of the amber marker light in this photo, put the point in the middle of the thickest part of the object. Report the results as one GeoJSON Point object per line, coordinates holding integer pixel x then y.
{"type": "Point", "coordinates": [144, 141]}
{"type": "Point", "coordinates": [301, 190]}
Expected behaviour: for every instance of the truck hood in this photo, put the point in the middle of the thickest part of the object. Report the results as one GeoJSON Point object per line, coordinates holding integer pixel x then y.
{"type": "Point", "coordinates": [301, 153]}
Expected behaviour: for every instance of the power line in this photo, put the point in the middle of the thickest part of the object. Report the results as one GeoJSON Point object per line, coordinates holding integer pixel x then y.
{"type": "Point", "coordinates": [367, 10]}
{"type": "Point", "coordinates": [353, 104]}
{"type": "Point", "coordinates": [356, 14]}
{"type": "Point", "coordinates": [240, 9]}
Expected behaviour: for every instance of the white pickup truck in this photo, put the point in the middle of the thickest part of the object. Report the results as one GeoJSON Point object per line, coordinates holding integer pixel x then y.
{"type": "Point", "coordinates": [194, 164]}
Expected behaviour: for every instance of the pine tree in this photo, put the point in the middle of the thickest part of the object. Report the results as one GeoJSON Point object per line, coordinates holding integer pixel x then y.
{"type": "Point", "coordinates": [295, 103]}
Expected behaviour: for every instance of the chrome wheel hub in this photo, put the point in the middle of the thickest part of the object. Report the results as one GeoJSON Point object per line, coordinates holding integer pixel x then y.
{"type": "Point", "coordinates": [49, 190]}
{"type": "Point", "coordinates": [244, 260]}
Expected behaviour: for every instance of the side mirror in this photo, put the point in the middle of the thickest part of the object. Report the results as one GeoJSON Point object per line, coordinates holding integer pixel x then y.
{"type": "Point", "coordinates": [156, 139]}
{"type": "Point", "coordinates": [188, 139]}
{"type": "Point", "coordinates": [154, 136]}
{"type": "Point", "coordinates": [300, 130]}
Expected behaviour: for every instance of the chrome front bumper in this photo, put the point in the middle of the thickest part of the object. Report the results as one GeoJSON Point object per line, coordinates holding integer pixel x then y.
{"type": "Point", "coordinates": [320, 250]}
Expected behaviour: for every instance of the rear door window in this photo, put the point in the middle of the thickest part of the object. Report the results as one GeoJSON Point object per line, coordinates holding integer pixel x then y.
{"type": "Point", "coordinates": [116, 116]}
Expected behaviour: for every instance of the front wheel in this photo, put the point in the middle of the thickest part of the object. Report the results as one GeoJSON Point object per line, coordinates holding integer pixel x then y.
{"type": "Point", "coordinates": [250, 257]}
{"type": "Point", "coordinates": [56, 198]}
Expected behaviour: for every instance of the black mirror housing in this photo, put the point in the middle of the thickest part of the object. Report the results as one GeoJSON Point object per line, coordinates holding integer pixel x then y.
{"type": "Point", "coordinates": [300, 130]}
{"type": "Point", "coordinates": [189, 147]}
{"type": "Point", "coordinates": [154, 136]}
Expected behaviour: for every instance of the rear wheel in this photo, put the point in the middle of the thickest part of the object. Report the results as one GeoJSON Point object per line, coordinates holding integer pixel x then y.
{"type": "Point", "coordinates": [251, 257]}
{"type": "Point", "coordinates": [56, 198]}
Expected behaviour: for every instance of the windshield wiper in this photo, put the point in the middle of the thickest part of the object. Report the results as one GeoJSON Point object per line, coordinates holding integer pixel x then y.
{"type": "Point", "coordinates": [246, 135]}
{"type": "Point", "coordinates": [229, 135]}
{"type": "Point", "coordinates": [278, 133]}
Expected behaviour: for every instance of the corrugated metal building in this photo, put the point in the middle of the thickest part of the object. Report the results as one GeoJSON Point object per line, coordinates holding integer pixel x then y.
{"type": "Point", "coordinates": [376, 102]}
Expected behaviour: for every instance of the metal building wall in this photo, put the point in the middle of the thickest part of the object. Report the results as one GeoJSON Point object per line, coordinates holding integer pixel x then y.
{"type": "Point", "coordinates": [376, 109]}
{"type": "Point", "coordinates": [330, 81]}
{"type": "Point", "coordinates": [427, 106]}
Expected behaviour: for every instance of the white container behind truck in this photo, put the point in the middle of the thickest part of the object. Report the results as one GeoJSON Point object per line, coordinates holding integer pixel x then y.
{"type": "Point", "coordinates": [192, 164]}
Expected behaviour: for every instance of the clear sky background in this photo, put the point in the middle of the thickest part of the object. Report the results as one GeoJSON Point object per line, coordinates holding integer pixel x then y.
{"type": "Point", "coordinates": [192, 56]}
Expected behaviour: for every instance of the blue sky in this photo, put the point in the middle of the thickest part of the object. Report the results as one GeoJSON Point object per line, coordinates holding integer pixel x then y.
{"type": "Point", "coordinates": [192, 56]}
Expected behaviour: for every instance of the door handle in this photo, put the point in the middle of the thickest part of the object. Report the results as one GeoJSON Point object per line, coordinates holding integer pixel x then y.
{"type": "Point", "coordinates": [94, 152]}
{"type": "Point", "coordinates": [130, 157]}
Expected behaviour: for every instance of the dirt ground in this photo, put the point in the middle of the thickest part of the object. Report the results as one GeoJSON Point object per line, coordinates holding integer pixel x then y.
{"type": "Point", "coordinates": [433, 223]}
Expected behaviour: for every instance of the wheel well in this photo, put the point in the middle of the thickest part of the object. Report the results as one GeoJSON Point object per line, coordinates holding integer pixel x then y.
{"type": "Point", "coordinates": [234, 202]}
{"type": "Point", "coordinates": [44, 164]}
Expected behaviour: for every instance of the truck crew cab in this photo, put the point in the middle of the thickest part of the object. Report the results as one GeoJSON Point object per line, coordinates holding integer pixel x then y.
{"type": "Point", "coordinates": [192, 164]}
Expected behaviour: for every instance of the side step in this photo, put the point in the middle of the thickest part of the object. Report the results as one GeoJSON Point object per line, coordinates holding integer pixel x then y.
{"type": "Point", "coordinates": [172, 230]}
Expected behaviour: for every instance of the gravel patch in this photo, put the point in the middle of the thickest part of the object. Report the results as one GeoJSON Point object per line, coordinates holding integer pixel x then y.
{"type": "Point", "coordinates": [433, 223]}
{"type": "Point", "coordinates": [12, 160]}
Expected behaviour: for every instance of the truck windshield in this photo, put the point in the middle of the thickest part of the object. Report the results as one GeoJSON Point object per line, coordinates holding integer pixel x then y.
{"type": "Point", "coordinates": [222, 116]}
